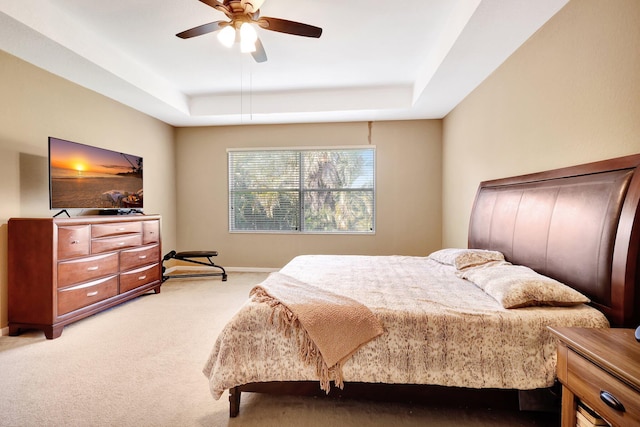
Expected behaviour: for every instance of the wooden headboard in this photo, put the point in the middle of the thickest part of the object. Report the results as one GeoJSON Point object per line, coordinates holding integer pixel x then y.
{"type": "Point", "coordinates": [579, 225]}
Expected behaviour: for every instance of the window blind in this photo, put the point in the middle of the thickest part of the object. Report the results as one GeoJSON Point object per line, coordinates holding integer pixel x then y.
{"type": "Point", "coordinates": [323, 190]}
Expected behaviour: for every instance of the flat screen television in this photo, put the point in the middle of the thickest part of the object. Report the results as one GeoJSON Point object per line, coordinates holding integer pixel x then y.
{"type": "Point", "coordinates": [82, 176]}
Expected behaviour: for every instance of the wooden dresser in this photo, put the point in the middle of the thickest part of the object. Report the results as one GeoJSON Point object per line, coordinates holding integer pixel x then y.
{"type": "Point", "coordinates": [600, 367]}
{"type": "Point", "coordinates": [64, 269]}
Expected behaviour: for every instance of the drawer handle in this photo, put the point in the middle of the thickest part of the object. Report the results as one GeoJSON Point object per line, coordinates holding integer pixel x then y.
{"type": "Point", "coordinates": [142, 257]}
{"type": "Point", "coordinates": [120, 243]}
{"type": "Point", "coordinates": [93, 268]}
{"type": "Point", "coordinates": [75, 242]}
{"type": "Point", "coordinates": [142, 277]}
{"type": "Point", "coordinates": [121, 229]}
{"type": "Point", "coordinates": [92, 294]}
{"type": "Point", "coordinates": [611, 401]}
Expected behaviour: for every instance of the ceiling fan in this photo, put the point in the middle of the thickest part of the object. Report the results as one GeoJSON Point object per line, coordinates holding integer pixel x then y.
{"type": "Point", "coordinates": [242, 14]}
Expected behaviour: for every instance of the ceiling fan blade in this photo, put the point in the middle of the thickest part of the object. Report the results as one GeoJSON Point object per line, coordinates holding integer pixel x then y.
{"type": "Point", "coordinates": [214, 3]}
{"type": "Point", "coordinates": [289, 27]}
{"type": "Point", "coordinates": [219, 6]}
{"type": "Point", "coordinates": [259, 55]}
{"type": "Point", "coordinates": [202, 29]}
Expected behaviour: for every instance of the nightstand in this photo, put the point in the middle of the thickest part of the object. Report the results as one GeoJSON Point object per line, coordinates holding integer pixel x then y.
{"type": "Point", "coordinates": [600, 367]}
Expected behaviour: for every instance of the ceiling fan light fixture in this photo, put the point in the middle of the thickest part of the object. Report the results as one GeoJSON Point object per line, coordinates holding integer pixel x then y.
{"type": "Point", "coordinates": [248, 33]}
{"type": "Point", "coordinates": [248, 37]}
{"type": "Point", "coordinates": [227, 36]}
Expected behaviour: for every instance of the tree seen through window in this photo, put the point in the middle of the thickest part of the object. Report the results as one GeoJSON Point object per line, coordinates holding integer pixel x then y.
{"type": "Point", "coordinates": [320, 190]}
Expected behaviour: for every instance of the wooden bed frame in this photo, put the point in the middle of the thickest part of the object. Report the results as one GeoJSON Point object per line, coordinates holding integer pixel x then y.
{"type": "Point", "coordinates": [579, 225]}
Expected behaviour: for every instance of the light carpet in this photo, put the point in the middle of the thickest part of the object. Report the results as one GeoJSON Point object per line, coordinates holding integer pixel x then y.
{"type": "Point", "coordinates": [140, 364]}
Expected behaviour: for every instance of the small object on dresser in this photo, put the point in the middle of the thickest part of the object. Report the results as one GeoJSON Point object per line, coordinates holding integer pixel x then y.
{"type": "Point", "coordinates": [638, 334]}
{"type": "Point", "coordinates": [587, 417]}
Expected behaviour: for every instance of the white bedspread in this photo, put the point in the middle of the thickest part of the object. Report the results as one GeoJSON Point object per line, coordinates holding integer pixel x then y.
{"type": "Point", "coordinates": [439, 329]}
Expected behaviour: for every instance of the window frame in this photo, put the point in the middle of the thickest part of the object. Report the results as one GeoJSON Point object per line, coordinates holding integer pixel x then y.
{"type": "Point", "coordinates": [301, 190]}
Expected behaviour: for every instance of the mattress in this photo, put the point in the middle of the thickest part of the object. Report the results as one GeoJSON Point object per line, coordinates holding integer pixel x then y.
{"type": "Point", "coordinates": [438, 329]}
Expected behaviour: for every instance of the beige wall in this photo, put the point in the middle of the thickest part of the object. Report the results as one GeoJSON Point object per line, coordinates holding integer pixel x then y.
{"type": "Point", "coordinates": [570, 95]}
{"type": "Point", "coordinates": [36, 104]}
{"type": "Point", "coordinates": [408, 184]}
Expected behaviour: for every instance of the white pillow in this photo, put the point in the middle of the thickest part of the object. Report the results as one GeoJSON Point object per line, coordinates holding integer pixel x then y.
{"type": "Point", "coordinates": [516, 286]}
{"type": "Point", "coordinates": [465, 258]}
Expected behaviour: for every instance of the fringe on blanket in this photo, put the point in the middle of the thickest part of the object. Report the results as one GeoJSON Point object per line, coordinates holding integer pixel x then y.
{"type": "Point", "coordinates": [287, 323]}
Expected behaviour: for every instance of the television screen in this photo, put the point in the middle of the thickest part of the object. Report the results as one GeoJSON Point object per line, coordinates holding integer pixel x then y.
{"type": "Point", "coordinates": [82, 176]}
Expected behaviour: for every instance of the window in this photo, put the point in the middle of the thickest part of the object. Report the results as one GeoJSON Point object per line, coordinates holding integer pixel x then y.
{"type": "Point", "coordinates": [320, 190]}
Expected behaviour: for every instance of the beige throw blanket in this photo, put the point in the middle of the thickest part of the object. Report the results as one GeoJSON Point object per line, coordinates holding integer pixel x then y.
{"type": "Point", "coordinates": [329, 327]}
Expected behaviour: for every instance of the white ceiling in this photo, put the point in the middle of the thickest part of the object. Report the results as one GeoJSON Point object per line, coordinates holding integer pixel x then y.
{"type": "Point", "coordinates": [375, 60]}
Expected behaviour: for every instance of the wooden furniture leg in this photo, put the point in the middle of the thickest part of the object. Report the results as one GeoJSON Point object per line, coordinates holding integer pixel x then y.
{"type": "Point", "coordinates": [234, 401]}
{"type": "Point", "coordinates": [569, 407]}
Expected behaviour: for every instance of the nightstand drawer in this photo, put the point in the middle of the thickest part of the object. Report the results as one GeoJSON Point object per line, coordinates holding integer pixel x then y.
{"type": "Point", "coordinates": [588, 381]}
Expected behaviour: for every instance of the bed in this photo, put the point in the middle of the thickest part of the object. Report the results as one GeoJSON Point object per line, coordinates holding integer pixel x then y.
{"type": "Point", "coordinates": [447, 319]}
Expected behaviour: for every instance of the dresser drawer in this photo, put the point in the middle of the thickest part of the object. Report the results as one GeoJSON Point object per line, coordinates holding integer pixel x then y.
{"type": "Point", "coordinates": [82, 295]}
{"type": "Point", "coordinates": [85, 269]}
{"type": "Point", "coordinates": [588, 381]}
{"type": "Point", "coordinates": [115, 229]}
{"type": "Point", "coordinates": [132, 258]}
{"type": "Point", "coordinates": [150, 232]}
{"type": "Point", "coordinates": [115, 243]}
{"type": "Point", "coordinates": [138, 277]}
{"type": "Point", "coordinates": [73, 241]}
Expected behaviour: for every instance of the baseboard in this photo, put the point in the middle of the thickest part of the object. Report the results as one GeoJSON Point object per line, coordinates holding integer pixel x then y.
{"type": "Point", "coordinates": [4, 331]}
{"type": "Point", "coordinates": [252, 269]}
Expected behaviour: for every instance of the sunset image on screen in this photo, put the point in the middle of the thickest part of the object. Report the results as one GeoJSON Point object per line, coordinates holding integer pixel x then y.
{"type": "Point", "coordinates": [83, 176]}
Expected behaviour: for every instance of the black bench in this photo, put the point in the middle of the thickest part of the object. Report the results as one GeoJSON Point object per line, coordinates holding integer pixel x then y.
{"type": "Point", "coordinates": [194, 257]}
